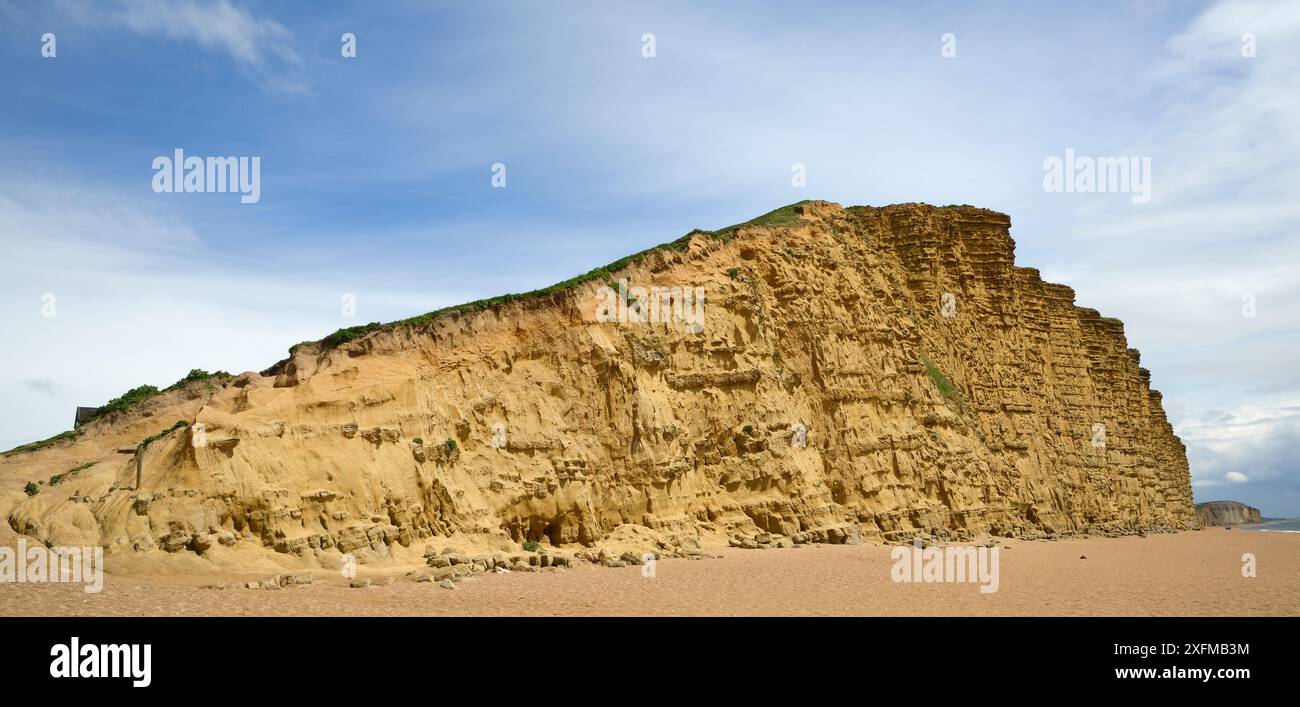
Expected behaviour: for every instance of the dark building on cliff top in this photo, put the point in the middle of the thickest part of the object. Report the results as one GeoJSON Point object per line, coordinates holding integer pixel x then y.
{"type": "Point", "coordinates": [83, 415]}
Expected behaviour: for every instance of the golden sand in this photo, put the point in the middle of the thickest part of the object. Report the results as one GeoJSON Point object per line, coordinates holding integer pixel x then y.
{"type": "Point", "coordinates": [1192, 573]}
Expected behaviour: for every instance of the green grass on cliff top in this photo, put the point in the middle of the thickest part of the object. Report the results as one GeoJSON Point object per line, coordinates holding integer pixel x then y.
{"type": "Point", "coordinates": [43, 443]}
{"type": "Point", "coordinates": [784, 216]}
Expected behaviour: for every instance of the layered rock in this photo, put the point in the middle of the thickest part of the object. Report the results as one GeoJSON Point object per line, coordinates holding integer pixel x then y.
{"type": "Point", "coordinates": [860, 373]}
{"type": "Point", "coordinates": [1217, 513]}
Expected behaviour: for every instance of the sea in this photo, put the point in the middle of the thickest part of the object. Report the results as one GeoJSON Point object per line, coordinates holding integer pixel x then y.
{"type": "Point", "coordinates": [1281, 525]}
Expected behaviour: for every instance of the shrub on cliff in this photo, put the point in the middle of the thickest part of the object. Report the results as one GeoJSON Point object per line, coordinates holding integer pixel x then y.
{"type": "Point", "coordinates": [346, 334]}
{"type": "Point", "coordinates": [197, 374]}
{"type": "Point", "coordinates": [127, 399]}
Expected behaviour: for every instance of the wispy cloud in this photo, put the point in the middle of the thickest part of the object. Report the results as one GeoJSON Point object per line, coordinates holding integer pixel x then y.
{"type": "Point", "coordinates": [263, 47]}
{"type": "Point", "coordinates": [45, 386]}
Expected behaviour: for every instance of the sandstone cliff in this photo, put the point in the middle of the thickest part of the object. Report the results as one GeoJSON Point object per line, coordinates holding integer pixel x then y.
{"type": "Point", "coordinates": [861, 373]}
{"type": "Point", "coordinates": [1214, 513]}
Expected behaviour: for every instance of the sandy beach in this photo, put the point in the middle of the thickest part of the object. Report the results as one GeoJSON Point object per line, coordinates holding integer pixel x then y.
{"type": "Point", "coordinates": [1195, 573]}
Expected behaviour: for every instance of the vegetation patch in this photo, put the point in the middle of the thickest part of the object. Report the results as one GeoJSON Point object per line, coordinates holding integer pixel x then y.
{"type": "Point", "coordinates": [42, 444]}
{"type": "Point", "coordinates": [198, 374]}
{"type": "Point", "coordinates": [945, 386]}
{"type": "Point", "coordinates": [785, 216]}
{"type": "Point", "coordinates": [54, 480]}
{"type": "Point", "coordinates": [125, 400]}
{"type": "Point", "coordinates": [154, 438]}
{"type": "Point", "coordinates": [138, 395]}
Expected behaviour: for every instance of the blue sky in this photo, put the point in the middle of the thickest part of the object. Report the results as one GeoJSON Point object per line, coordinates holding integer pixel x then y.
{"type": "Point", "coordinates": [376, 172]}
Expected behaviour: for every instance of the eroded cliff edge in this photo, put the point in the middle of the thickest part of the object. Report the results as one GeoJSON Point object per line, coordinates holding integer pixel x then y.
{"type": "Point", "coordinates": [938, 386]}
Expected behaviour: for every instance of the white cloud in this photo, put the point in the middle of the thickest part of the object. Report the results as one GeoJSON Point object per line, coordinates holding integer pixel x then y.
{"type": "Point", "coordinates": [215, 24]}
{"type": "Point", "coordinates": [1231, 477]}
{"type": "Point", "coordinates": [262, 46]}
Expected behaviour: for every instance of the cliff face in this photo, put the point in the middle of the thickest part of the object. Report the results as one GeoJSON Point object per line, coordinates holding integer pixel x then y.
{"type": "Point", "coordinates": [1216, 513]}
{"type": "Point", "coordinates": [860, 373]}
